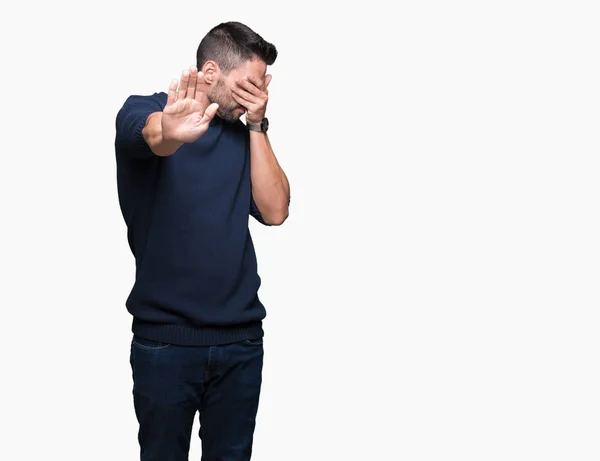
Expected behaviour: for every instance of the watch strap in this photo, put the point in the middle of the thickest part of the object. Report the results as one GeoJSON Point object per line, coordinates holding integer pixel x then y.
{"type": "Point", "coordinates": [263, 126]}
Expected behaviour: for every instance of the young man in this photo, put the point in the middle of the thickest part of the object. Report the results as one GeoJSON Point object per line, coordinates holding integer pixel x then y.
{"type": "Point", "coordinates": [189, 175]}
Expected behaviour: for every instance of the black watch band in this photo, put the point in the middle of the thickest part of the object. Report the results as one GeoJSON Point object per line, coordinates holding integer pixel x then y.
{"type": "Point", "coordinates": [262, 127]}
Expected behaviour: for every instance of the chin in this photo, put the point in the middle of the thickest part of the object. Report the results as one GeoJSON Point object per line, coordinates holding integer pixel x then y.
{"type": "Point", "coordinates": [230, 117]}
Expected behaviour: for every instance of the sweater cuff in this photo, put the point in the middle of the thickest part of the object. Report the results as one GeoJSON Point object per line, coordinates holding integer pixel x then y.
{"type": "Point", "coordinates": [137, 129]}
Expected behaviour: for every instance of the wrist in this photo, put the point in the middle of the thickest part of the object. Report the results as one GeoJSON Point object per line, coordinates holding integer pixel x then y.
{"type": "Point", "coordinates": [260, 126]}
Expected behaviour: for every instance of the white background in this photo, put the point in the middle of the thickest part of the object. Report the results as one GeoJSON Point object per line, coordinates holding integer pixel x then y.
{"type": "Point", "coordinates": [434, 293]}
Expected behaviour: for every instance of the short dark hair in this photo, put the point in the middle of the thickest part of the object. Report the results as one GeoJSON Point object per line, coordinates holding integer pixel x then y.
{"type": "Point", "coordinates": [231, 44]}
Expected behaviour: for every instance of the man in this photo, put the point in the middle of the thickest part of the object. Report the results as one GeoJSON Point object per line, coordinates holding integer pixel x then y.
{"type": "Point", "coordinates": [189, 175]}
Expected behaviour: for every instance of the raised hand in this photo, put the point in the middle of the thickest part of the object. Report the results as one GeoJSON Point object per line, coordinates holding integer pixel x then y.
{"type": "Point", "coordinates": [253, 94]}
{"type": "Point", "coordinates": [185, 117]}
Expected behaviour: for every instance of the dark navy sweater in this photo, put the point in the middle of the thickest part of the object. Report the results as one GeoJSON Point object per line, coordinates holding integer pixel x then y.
{"type": "Point", "coordinates": [196, 280]}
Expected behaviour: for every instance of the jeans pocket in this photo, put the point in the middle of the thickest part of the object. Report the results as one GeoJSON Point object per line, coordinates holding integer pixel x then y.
{"type": "Point", "coordinates": [148, 344]}
{"type": "Point", "coordinates": [254, 342]}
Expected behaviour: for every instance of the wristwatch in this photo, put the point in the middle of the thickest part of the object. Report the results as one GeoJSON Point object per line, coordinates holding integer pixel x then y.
{"type": "Point", "coordinates": [263, 126]}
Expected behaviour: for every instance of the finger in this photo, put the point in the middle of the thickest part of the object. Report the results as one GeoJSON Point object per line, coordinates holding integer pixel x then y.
{"type": "Point", "coordinates": [172, 96]}
{"type": "Point", "coordinates": [268, 80]}
{"type": "Point", "coordinates": [255, 81]}
{"type": "Point", "coordinates": [191, 88]}
{"type": "Point", "coordinates": [244, 94]}
{"type": "Point", "coordinates": [249, 86]}
{"type": "Point", "coordinates": [199, 85]}
{"type": "Point", "coordinates": [244, 102]}
{"type": "Point", "coordinates": [210, 112]}
{"type": "Point", "coordinates": [185, 78]}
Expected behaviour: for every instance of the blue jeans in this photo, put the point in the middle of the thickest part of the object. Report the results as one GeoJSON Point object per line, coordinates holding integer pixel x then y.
{"type": "Point", "coordinates": [171, 383]}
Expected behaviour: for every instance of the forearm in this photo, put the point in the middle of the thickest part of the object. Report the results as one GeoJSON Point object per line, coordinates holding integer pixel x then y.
{"type": "Point", "coordinates": [153, 135]}
{"type": "Point", "coordinates": [270, 186]}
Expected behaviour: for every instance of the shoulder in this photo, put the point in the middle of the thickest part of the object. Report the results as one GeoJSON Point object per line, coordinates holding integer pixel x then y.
{"type": "Point", "coordinates": [155, 101]}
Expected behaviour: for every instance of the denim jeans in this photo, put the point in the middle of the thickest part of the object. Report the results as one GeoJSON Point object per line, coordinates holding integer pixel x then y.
{"type": "Point", "coordinates": [172, 383]}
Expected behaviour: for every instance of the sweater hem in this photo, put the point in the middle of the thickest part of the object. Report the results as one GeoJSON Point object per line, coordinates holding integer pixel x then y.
{"type": "Point", "coordinates": [189, 335]}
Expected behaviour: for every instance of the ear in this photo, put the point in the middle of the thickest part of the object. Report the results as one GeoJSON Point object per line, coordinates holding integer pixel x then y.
{"type": "Point", "coordinates": [268, 78]}
{"type": "Point", "coordinates": [210, 69]}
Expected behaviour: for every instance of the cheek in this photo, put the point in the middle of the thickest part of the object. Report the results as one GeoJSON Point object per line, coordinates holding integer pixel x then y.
{"type": "Point", "coordinates": [226, 97]}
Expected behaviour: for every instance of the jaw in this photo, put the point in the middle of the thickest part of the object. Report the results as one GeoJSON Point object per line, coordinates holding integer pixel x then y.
{"type": "Point", "coordinates": [229, 118]}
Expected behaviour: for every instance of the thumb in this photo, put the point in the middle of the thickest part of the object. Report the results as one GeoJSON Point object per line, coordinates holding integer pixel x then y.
{"type": "Point", "coordinates": [268, 80]}
{"type": "Point", "coordinates": [210, 111]}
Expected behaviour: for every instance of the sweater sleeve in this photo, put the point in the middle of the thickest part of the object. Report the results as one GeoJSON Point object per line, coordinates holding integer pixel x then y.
{"type": "Point", "coordinates": [130, 122]}
{"type": "Point", "coordinates": [255, 213]}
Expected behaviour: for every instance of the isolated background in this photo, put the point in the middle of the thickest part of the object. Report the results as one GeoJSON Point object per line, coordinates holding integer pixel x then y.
{"type": "Point", "coordinates": [434, 293]}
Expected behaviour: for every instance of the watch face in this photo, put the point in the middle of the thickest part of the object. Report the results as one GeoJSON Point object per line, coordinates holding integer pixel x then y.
{"type": "Point", "coordinates": [265, 124]}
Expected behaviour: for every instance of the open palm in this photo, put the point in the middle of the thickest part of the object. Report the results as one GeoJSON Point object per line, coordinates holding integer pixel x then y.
{"type": "Point", "coordinates": [185, 117]}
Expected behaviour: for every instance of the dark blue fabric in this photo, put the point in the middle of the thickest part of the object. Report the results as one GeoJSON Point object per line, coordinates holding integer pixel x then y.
{"type": "Point", "coordinates": [187, 226]}
{"type": "Point", "coordinates": [172, 383]}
